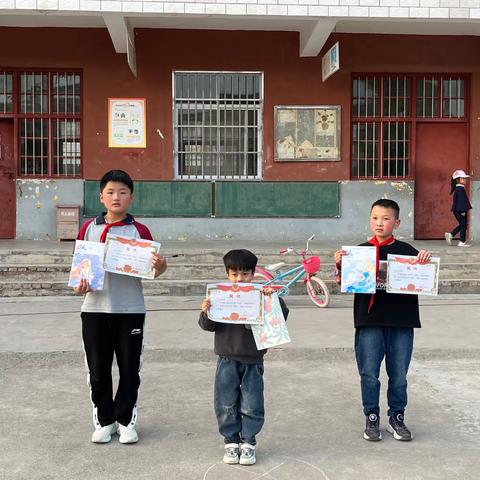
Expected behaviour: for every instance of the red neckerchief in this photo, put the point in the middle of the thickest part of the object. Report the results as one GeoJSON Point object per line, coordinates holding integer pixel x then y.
{"type": "Point", "coordinates": [377, 246]}
{"type": "Point", "coordinates": [108, 226]}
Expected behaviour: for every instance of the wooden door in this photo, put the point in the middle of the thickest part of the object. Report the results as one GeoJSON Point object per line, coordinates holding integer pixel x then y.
{"type": "Point", "coordinates": [7, 180]}
{"type": "Point", "coordinates": [441, 148]}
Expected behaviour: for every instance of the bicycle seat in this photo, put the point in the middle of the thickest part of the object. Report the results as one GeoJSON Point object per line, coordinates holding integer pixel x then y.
{"type": "Point", "coordinates": [274, 266]}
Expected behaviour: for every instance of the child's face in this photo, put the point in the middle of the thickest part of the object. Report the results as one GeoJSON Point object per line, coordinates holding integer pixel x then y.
{"type": "Point", "coordinates": [462, 180]}
{"type": "Point", "coordinates": [240, 276]}
{"type": "Point", "coordinates": [383, 222]}
{"type": "Point", "coordinates": [116, 197]}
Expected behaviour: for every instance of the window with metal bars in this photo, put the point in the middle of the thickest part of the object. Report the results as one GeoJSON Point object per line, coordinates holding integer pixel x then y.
{"type": "Point", "coordinates": [47, 107]}
{"type": "Point", "coordinates": [217, 125]}
{"type": "Point", "coordinates": [385, 109]}
{"type": "Point", "coordinates": [441, 97]}
{"type": "Point", "coordinates": [380, 130]}
{"type": "Point", "coordinates": [6, 92]}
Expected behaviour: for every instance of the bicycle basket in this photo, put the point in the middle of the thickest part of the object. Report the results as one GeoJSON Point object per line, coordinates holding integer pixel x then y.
{"type": "Point", "coordinates": [312, 265]}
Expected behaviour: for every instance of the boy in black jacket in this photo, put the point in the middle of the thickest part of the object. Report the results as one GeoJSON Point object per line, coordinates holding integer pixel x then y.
{"type": "Point", "coordinates": [239, 404]}
{"type": "Point", "coordinates": [384, 324]}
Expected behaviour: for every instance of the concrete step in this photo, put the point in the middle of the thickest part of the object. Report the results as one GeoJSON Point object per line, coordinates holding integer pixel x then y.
{"type": "Point", "coordinates": [200, 271]}
{"type": "Point", "coordinates": [195, 287]}
{"type": "Point", "coordinates": [190, 255]}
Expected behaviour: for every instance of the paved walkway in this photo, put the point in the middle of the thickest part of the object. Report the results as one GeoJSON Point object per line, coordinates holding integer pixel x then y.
{"type": "Point", "coordinates": [314, 421]}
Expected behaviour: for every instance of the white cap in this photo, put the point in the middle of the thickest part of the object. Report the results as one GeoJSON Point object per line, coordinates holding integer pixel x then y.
{"type": "Point", "coordinates": [459, 174]}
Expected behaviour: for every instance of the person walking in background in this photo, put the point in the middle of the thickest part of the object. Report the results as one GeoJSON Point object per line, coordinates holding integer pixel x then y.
{"type": "Point", "coordinates": [460, 207]}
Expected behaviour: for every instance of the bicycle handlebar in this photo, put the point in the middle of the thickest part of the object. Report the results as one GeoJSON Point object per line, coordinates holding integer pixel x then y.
{"type": "Point", "coordinates": [302, 253]}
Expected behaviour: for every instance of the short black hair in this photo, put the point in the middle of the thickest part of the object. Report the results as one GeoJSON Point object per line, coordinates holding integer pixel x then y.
{"type": "Point", "coordinates": [240, 260]}
{"type": "Point", "coordinates": [386, 203]}
{"type": "Point", "coordinates": [116, 176]}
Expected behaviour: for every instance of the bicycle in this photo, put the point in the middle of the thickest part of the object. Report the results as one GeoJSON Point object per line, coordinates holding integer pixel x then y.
{"type": "Point", "coordinates": [316, 288]}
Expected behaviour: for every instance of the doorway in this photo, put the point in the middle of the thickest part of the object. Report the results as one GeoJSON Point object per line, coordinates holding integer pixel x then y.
{"type": "Point", "coordinates": [441, 148]}
{"type": "Point", "coordinates": [7, 179]}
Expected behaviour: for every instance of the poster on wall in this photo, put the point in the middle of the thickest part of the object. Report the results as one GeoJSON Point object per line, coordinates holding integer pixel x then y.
{"type": "Point", "coordinates": [331, 62]}
{"type": "Point", "coordinates": [310, 133]}
{"type": "Point", "coordinates": [126, 123]}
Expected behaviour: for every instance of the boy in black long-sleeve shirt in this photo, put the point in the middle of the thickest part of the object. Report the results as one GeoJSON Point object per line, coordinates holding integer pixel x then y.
{"type": "Point", "coordinates": [384, 326]}
{"type": "Point", "coordinates": [239, 404]}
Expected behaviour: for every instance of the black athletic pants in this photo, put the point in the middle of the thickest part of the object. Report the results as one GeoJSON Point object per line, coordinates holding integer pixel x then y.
{"type": "Point", "coordinates": [103, 335]}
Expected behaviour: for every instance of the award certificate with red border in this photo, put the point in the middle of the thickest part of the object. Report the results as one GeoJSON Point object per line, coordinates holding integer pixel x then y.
{"type": "Point", "coordinates": [130, 256]}
{"type": "Point", "coordinates": [406, 275]}
{"type": "Point", "coordinates": [241, 303]}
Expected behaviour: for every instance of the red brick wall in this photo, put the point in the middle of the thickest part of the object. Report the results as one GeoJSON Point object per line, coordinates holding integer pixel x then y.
{"type": "Point", "coordinates": [288, 79]}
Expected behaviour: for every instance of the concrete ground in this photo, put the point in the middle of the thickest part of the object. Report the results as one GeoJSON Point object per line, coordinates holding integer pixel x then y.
{"type": "Point", "coordinates": [314, 421]}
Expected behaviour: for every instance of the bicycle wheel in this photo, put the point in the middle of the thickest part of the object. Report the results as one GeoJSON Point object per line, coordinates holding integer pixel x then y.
{"type": "Point", "coordinates": [262, 276]}
{"type": "Point", "coordinates": [318, 292]}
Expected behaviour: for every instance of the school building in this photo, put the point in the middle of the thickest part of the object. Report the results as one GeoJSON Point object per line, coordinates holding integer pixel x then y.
{"type": "Point", "coordinates": [245, 119]}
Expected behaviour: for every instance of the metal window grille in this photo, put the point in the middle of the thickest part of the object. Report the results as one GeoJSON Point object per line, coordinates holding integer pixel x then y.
{"type": "Point", "coordinates": [366, 97]}
{"type": "Point", "coordinates": [50, 124]}
{"type": "Point", "coordinates": [6, 92]}
{"type": "Point", "coordinates": [396, 97]}
{"type": "Point", "coordinates": [34, 146]}
{"type": "Point", "coordinates": [428, 97]}
{"type": "Point", "coordinates": [453, 97]}
{"type": "Point", "coordinates": [380, 130]}
{"type": "Point", "coordinates": [365, 137]}
{"type": "Point", "coordinates": [396, 138]}
{"type": "Point", "coordinates": [217, 125]}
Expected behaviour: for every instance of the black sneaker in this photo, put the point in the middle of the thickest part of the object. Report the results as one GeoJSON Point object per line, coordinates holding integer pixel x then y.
{"type": "Point", "coordinates": [398, 429]}
{"type": "Point", "coordinates": [372, 428]}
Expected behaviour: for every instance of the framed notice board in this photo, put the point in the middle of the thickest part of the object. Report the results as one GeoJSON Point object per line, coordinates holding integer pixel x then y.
{"type": "Point", "coordinates": [307, 133]}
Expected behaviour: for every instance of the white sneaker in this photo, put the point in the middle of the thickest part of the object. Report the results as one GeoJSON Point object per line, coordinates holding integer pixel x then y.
{"type": "Point", "coordinates": [448, 238]}
{"type": "Point", "coordinates": [247, 454]}
{"type": "Point", "coordinates": [127, 435]}
{"type": "Point", "coordinates": [104, 434]}
{"type": "Point", "coordinates": [463, 244]}
{"type": "Point", "coordinates": [231, 453]}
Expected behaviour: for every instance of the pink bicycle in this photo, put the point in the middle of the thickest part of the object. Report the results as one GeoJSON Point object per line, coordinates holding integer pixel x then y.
{"type": "Point", "coordinates": [282, 281]}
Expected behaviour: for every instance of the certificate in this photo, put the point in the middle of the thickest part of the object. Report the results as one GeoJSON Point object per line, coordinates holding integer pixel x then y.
{"type": "Point", "coordinates": [359, 270]}
{"type": "Point", "coordinates": [87, 264]}
{"type": "Point", "coordinates": [406, 275]}
{"type": "Point", "coordinates": [273, 331]}
{"type": "Point", "coordinates": [240, 303]}
{"type": "Point", "coordinates": [130, 256]}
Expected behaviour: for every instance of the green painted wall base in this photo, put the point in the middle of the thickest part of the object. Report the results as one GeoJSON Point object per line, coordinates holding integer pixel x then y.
{"type": "Point", "coordinates": [226, 199]}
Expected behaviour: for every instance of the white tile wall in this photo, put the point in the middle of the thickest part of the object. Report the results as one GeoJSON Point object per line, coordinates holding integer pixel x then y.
{"type": "Point", "coordinates": [26, 4]}
{"type": "Point", "coordinates": [47, 4]}
{"type": "Point", "coordinates": [435, 9]}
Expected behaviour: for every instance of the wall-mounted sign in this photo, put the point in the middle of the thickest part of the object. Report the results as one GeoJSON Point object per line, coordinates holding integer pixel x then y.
{"type": "Point", "coordinates": [307, 133]}
{"type": "Point", "coordinates": [126, 123]}
{"type": "Point", "coordinates": [331, 61]}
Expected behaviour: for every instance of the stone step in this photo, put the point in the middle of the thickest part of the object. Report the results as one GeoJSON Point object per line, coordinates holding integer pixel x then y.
{"type": "Point", "coordinates": [200, 271]}
{"type": "Point", "coordinates": [23, 257]}
{"type": "Point", "coordinates": [193, 287]}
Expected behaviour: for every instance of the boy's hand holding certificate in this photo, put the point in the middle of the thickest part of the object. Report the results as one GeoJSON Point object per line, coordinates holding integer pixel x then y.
{"type": "Point", "coordinates": [240, 303]}
{"type": "Point", "coordinates": [130, 256]}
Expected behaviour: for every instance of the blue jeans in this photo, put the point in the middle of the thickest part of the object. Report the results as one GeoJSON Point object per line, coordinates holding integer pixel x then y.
{"type": "Point", "coordinates": [372, 345]}
{"type": "Point", "coordinates": [239, 400]}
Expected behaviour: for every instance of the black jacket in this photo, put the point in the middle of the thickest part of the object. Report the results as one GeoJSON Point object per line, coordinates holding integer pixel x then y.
{"type": "Point", "coordinates": [460, 202]}
{"type": "Point", "coordinates": [236, 341]}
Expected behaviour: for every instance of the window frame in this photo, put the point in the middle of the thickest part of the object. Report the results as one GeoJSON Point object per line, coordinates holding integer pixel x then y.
{"type": "Point", "coordinates": [202, 178]}
{"type": "Point", "coordinates": [51, 117]}
{"type": "Point", "coordinates": [411, 119]}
